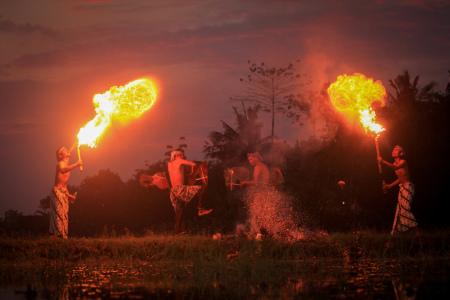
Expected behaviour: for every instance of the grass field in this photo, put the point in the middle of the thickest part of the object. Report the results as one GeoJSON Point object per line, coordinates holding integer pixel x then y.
{"type": "Point", "coordinates": [229, 267]}
{"type": "Point", "coordinates": [365, 245]}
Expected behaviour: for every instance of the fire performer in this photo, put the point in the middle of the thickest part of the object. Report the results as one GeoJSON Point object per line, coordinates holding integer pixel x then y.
{"type": "Point", "coordinates": [404, 219]}
{"type": "Point", "coordinates": [181, 194]}
{"type": "Point", "coordinates": [59, 213]}
{"type": "Point", "coordinates": [261, 173]}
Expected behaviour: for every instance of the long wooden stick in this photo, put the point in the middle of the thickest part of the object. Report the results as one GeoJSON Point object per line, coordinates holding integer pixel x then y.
{"type": "Point", "coordinates": [79, 158]}
{"type": "Point", "coordinates": [231, 180]}
{"type": "Point", "coordinates": [378, 153]}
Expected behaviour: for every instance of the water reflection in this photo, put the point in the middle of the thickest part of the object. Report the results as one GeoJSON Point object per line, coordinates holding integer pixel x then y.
{"type": "Point", "coordinates": [362, 280]}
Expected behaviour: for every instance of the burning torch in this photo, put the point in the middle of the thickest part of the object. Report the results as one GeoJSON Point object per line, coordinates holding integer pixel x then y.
{"type": "Point", "coordinates": [79, 155]}
{"type": "Point", "coordinates": [356, 94]}
{"type": "Point", "coordinates": [79, 158]}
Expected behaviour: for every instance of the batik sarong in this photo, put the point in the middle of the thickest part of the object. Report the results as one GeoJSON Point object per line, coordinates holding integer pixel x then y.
{"type": "Point", "coordinates": [59, 212]}
{"type": "Point", "coordinates": [183, 194]}
{"type": "Point", "coordinates": [404, 219]}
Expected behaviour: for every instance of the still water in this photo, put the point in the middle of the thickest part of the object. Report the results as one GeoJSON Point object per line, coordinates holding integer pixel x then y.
{"type": "Point", "coordinates": [177, 280]}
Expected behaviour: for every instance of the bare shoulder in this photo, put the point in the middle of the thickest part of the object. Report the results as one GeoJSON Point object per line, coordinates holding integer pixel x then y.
{"type": "Point", "coordinates": [185, 162]}
{"type": "Point", "coordinates": [61, 164]}
{"type": "Point", "coordinates": [174, 165]}
{"type": "Point", "coordinates": [262, 168]}
{"type": "Point", "coordinates": [401, 163]}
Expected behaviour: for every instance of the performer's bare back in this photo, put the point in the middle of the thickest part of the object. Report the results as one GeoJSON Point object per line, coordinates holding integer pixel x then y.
{"type": "Point", "coordinates": [176, 171]}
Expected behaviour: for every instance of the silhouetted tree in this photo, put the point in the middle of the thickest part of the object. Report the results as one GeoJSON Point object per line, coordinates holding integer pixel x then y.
{"type": "Point", "coordinates": [12, 219]}
{"type": "Point", "coordinates": [44, 204]}
{"type": "Point", "coordinates": [408, 94]}
{"type": "Point", "coordinates": [232, 145]}
{"type": "Point", "coordinates": [101, 202]}
{"type": "Point", "coordinates": [275, 90]}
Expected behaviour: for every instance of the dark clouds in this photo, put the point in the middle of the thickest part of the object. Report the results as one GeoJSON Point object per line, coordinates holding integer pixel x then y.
{"type": "Point", "coordinates": [11, 27]}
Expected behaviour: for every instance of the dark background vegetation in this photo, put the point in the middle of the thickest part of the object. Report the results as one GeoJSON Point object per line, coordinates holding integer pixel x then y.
{"type": "Point", "coordinates": [415, 117]}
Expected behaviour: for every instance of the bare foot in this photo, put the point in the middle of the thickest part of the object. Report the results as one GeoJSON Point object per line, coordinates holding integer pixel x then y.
{"type": "Point", "coordinates": [202, 212]}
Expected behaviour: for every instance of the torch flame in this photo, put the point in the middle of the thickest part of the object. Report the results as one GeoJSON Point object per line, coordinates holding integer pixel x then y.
{"type": "Point", "coordinates": [120, 103]}
{"type": "Point", "coordinates": [356, 94]}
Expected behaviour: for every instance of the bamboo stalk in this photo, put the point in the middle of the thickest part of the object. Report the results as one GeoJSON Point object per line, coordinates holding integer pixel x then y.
{"type": "Point", "coordinates": [378, 154]}
{"type": "Point", "coordinates": [79, 158]}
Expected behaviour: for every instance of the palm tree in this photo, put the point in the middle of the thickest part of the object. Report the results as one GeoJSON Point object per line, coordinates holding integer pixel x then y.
{"type": "Point", "coordinates": [232, 145]}
{"type": "Point", "coordinates": [407, 94]}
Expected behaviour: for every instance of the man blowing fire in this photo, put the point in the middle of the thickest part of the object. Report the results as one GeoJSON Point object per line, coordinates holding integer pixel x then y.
{"type": "Point", "coordinates": [404, 219]}
{"type": "Point", "coordinates": [59, 202]}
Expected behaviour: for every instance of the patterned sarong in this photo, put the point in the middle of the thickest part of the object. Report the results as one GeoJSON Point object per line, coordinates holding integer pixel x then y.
{"type": "Point", "coordinates": [59, 212]}
{"type": "Point", "coordinates": [404, 219]}
{"type": "Point", "coordinates": [183, 194]}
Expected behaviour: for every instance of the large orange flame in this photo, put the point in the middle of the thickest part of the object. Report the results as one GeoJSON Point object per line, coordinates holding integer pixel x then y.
{"type": "Point", "coordinates": [356, 94]}
{"type": "Point", "coordinates": [120, 103]}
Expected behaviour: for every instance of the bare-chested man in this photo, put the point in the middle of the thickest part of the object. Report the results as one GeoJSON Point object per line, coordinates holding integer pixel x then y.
{"type": "Point", "coordinates": [260, 207]}
{"type": "Point", "coordinates": [260, 173]}
{"type": "Point", "coordinates": [404, 219]}
{"type": "Point", "coordinates": [59, 203]}
{"type": "Point", "coordinates": [181, 194]}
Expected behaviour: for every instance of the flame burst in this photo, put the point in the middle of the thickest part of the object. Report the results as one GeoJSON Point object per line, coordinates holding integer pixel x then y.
{"type": "Point", "coordinates": [356, 94]}
{"type": "Point", "coordinates": [120, 103]}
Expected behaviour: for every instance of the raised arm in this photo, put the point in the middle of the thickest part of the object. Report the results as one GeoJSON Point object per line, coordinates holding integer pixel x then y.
{"type": "Point", "coordinates": [63, 168]}
{"type": "Point", "coordinates": [394, 167]}
{"type": "Point", "coordinates": [189, 163]}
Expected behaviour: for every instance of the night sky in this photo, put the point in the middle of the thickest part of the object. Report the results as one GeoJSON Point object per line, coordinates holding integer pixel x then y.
{"type": "Point", "coordinates": [56, 55]}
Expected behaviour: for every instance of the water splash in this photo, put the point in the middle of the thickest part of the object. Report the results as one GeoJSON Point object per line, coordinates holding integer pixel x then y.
{"type": "Point", "coordinates": [270, 212]}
